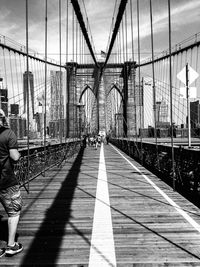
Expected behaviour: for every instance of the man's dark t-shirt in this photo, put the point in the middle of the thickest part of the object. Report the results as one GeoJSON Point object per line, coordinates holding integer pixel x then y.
{"type": "Point", "coordinates": [8, 140]}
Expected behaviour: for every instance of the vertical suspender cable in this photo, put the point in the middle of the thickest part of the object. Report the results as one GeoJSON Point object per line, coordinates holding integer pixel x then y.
{"type": "Point", "coordinates": [72, 34]}
{"type": "Point", "coordinates": [76, 37]}
{"type": "Point", "coordinates": [132, 47]}
{"type": "Point", "coordinates": [67, 88]}
{"type": "Point", "coordinates": [45, 87]}
{"type": "Point", "coordinates": [171, 104]}
{"type": "Point", "coordinates": [117, 53]}
{"type": "Point", "coordinates": [60, 76]}
{"type": "Point", "coordinates": [123, 51]}
{"type": "Point", "coordinates": [5, 70]}
{"type": "Point", "coordinates": [27, 87]}
{"type": "Point", "coordinates": [20, 65]}
{"type": "Point", "coordinates": [126, 36]}
{"type": "Point", "coordinates": [82, 50]}
{"type": "Point", "coordinates": [72, 91]}
{"type": "Point", "coordinates": [17, 75]}
{"type": "Point", "coordinates": [11, 71]}
{"type": "Point", "coordinates": [80, 45]}
{"type": "Point", "coordinates": [67, 30]}
{"type": "Point", "coordinates": [139, 84]}
{"type": "Point", "coordinates": [123, 40]}
{"type": "Point", "coordinates": [153, 76]}
{"type": "Point", "coordinates": [86, 57]}
{"type": "Point", "coordinates": [120, 46]}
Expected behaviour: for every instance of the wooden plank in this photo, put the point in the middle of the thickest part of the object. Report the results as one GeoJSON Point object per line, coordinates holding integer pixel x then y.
{"type": "Point", "coordinates": [155, 233]}
{"type": "Point", "coordinates": [56, 222]}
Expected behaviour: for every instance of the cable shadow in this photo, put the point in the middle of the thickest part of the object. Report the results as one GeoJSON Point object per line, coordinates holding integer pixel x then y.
{"type": "Point", "coordinates": [142, 194]}
{"type": "Point", "coordinates": [143, 226]}
{"type": "Point", "coordinates": [45, 247]}
{"type": "Point", "coordinates": [24, 211]}
{"type": "Point", "coordinates": [87, 241]}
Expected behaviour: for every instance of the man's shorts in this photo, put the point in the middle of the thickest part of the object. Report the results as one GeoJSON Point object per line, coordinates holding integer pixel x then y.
{"type": "Point", "coordinates": [11, 200]}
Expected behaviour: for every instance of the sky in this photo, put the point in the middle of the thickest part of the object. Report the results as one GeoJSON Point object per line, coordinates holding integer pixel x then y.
{"type": "Point", "coordinates": [185, 22]}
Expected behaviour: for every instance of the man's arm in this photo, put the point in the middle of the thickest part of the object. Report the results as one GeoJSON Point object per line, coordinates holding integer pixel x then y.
{"type": "Point", "coordinates": [14, 154]}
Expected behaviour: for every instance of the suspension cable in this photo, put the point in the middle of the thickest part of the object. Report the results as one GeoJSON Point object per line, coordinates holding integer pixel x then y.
{"type": "Point", "coordinates": [117, 24]}
{"type": "Point", "coordinates": [126, 34]}
{"type": "Point", "coordinates": [123, 40]}
{"type": "Point", "coordinates": [111, 27]}
{"type": "Point", "coordinates": [5, 69]}
{"type": "Point", "coordinates": [170, 81]}
{"type": "Point", "coordinates": [17, 75]}
{"type": "Point", "coordinates": [132, 46]}
{"type": "Point", "coordinates": [45, 87]}
{"type": "Point", "coordinates": [83, 28]}
{"type": "Point", "coordinates": [21, 111]}
{"type": "Point", "coordinates": [11, 71]}
{"type": "Point", "coordinates": [153, 76]}
{"type": "Point", "coordinates": [60, 75]}
{"type": "Point", "coordinates": [139, 84]}
{"type": "Point", "coordinates": [88, 26]}
{"type": "Point", "coordinates": [27, 87]}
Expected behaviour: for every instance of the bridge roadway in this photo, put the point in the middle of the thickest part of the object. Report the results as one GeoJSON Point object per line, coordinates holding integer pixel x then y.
{"type": "Point", "coordinates": [108, 213]}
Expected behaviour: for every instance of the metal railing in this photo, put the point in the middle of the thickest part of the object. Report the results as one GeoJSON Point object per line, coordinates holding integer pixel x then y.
{"type": "Point", "coordinates": [40, 160]}
{"type": "Point", "coordinates": [158, 160]}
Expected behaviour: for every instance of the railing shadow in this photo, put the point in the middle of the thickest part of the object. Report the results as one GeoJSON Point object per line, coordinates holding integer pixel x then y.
{"type": "Point", "coordinates": [46, 244]}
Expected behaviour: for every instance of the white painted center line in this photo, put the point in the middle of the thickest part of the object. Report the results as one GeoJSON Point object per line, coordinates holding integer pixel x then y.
{"type": "Point", "coordinates": [172, 203]}
{"type": "Point", "coordinates": [102, 250]}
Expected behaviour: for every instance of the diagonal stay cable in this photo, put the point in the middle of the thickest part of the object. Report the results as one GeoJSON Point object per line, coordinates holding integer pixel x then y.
{"type": "Point", "coordinates": [83, 28]}
{"type": "Point", "coordinates": [116, 28]}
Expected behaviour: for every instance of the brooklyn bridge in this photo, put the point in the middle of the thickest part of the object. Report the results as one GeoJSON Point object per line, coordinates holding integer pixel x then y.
{"type": "Point", "coordinates": [107, 118]}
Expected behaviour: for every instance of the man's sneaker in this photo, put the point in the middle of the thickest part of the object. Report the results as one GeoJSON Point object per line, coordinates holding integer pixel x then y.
{"type": "Point", "coordinates": [10, 251]}
{"type": "Point", "coordinates": [2, 252]}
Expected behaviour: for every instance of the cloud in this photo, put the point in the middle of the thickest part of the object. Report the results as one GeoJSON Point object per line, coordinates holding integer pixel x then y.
{"type": "Point", "coordinates": [184, 16]}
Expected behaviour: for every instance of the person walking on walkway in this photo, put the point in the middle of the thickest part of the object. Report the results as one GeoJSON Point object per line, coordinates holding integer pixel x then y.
{"type": "Point", "coordinates": [10, 195]}
{"type": "Point", "coordinates": [107, 139]}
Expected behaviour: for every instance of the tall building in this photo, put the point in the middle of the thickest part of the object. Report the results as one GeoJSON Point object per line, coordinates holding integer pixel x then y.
{"type": "Point", "coordinates": [195, 114]}
{"type": "Point", "coordinates": [161, 111]}
{"type": "Point", "coordinates": [29, 75]}
{"type": "Point", "coordinates": [3, 97]}
{"type": "Point", "coordinates": [18, 125]}
{"type": "Point", "coordinates": [57, 103]}
{"type": "Point", "coordinates": [148, 113]}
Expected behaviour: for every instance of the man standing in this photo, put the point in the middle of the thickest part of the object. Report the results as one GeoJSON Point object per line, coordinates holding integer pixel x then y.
{"type": "Point", "coordinates": [10, 196]}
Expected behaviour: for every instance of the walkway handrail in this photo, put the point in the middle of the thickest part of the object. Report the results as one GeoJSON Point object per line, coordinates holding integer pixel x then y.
{"type": "Point", "coordinates": [158, 161]}
{"type": "Point", "coordinates": [39, 157]}
{"type": "Point", "coordinates": [11, 45]}
{"type": "Point", "coordinates": [178, 48]}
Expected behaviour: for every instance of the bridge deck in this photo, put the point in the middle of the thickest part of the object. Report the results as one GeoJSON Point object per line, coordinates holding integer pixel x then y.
{"type": "Point", "coordinates": [64, 206]}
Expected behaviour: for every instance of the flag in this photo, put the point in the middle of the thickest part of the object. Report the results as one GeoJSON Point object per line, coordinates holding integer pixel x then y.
{"type": "Point", "coordinates": [103, 54]}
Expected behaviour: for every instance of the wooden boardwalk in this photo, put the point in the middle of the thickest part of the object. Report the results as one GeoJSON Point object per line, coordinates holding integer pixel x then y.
{"type": "Point", "coordinates": [65, 222]}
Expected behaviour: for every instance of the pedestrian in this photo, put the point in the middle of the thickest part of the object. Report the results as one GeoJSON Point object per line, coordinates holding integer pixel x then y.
{"type": "Point", "coordinates": [107, 139]}
{"type": "Point", "coordinates": [10, 195]}
{"type": "Point", "coordinates": [84, 142]}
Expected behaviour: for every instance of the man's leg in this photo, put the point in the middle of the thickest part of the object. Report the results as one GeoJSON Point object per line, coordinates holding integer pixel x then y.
{"type": "Point", "coordinates": [13, 204]}
{"type": "Point", "coordinates": [13, 220]}
{"type": "Point", "coordinates": [12, 229]}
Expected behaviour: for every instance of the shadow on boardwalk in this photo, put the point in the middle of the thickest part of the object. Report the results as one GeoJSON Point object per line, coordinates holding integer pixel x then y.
{"type": "Point", "coordinates": [3, 231]}
{"type": "Point", "coordinates": [46, 245]}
